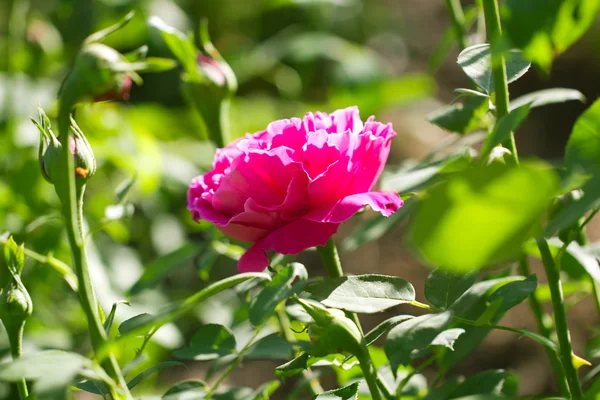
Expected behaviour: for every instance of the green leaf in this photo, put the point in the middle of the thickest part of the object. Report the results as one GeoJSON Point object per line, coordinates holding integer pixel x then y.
{"type": "Point", "coordinates": [51, 370]}
{"type": "Point", "coordinates": [369, 293]}
{"type": "Point", "coordinates": [545, 28]}
{"type": "Point", "coordinates": [142, 325]}
{"type": "Point", "coordinates": [272, 347]}
{"type": "Point", "coordinates": [134, 322]}
{"type": "Point", "coordinates": [547, 96]}
{"type": "Point", "coordinates": [152, 370]}
{"type": "Point", "coordinates": [583, 148]}
{"type": "Point", "coordinates": [349, 392]}
{"type": "Point", "coordinates": [414, 334]}
{"type": "Point", "coordinates": [476, 62]}
{"type": "Point", "coordinates": [376, 227]}
{"type": "Point", "coordinates": [158, 269]}
{"type": "Point", "coordinates": [462, 117]}
{"type": "Point", "coordinates": [111, 316]}
{"type": "Point", "coordinates": [264, 391]}
{"type": "Point", "coordinates": [485, 382]}
{"type": "Point", "coordinates": [447, 338]}
{"type": "Point", "coordinates": [93, 387]}
{"type": "Point", "coordinates": [443, 288]}
{"type": "Point", "coordinates": [514, 293]}
{"type": "Point", "coordinates": [383, 327]}
{"type": "Point", "coordinates": [293, 367]}
{"type": "Point", "coordinates": [181, 46]}
{"type": "Point", "coordinates": [101, 35]}
{"type": "Point", "coordinates": [279, 289]}
{"type": "Point", "coordinates": [505, 125]}
{"type": "Point", "coordinates": [186, 390]}
{"type": "Point", "coordinates": [123, 189]}
{"type": "Point", "coordinates": [239, 393]}
{"type": "Point", "coordinates": [469, 221]}
{"type": "Point", "coordinates": [577, 208]}
{"type": "Point", "coordinates": [208, 343]}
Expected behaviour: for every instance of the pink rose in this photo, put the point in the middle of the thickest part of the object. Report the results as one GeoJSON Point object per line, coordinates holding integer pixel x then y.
{"type": "Point", "coordinates": [289, 187]}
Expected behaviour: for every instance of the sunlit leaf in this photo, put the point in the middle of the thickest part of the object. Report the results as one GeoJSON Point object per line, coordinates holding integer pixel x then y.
{"type": "Point", "coordinates": [461, 117]}
{"type": "Point", "coordinates": [476, 61]}
{"type": "Point", "coordinates": [469, 221]}
{"type": "Point", "coordinates": [443, 288]}
{"type": "Point", "coordinates": [363, 293]}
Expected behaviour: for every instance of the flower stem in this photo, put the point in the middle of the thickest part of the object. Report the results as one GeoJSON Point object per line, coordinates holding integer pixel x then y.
{"type": "Point", "coordinates": [546, 331]}
{"type": "Point", "coordinates": [494, 33]}
{"type": "Point", "coordinates": [286, 330]}
{"type": "Point", "coordinates": [15, 339]}
{"type": "Point", "coordinates": [233, 365]}
{"type": "Point", "coordinates": [71, 193]}
{"type": "Point", "coordinates": [560, 317]}
{"type": "Point", "coordinates": [333, 266]}
{"type": "Point", "coordinates": [458, 22]}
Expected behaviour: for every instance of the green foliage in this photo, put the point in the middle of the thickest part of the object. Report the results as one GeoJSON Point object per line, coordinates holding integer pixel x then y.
{"type": "Point", "coordinates": [363, 293]}
{"type": "Point", "coordinates": [209, 342]}
{"type": "Point", "coordinates": [279, 289]}
{"type": "Point", "coordinates": [451, 227]}
{"type": "Point", "coordinates": [463, 117]}
{"type": "Point", "coordinates": [473, 211]}
{"type": "Point", "coordinates": [476, 61]}
{"type": "Point", "coordinates": [546, 28]}
{"type": "Point", "coordinates": [443, 288]}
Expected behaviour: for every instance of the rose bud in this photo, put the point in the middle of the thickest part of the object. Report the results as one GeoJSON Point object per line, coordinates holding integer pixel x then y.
{"type": "Point", "coordinates": [289, 187]}
{"type": "Point", "coordinates": [332, 332]}
{"type": "Point", "coordinates": [50, 148]}
{"type": "Point", "coordinates": [15, 303]}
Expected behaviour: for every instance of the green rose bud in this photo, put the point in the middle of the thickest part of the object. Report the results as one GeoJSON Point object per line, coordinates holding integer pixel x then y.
{"type": "Point", "coordinates": [49, 154]}
{"type": "Point", "coordinates": [332, 332]}
{"type": "Point", "coordinates": [15, 303]}
{"type": "Point", "coordinates": [571, 232]}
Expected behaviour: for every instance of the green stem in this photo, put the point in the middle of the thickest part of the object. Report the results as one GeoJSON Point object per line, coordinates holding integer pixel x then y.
{"type": "Point", "coordinates": [560, 317]}
{"type": "Point", "coordinates": [546, 331]}
{"type": "Point", "coordinates": [494, 33]}
{"type": "Point", "coordinates": [370, 373]}
{"type": "Point", "coordinates": [458, 22]}
{"type": "Point", "coordinates": [285, 327]}
{"type": "Point", "coordinates": [233, 365]}
{"type": "Point", "coordinates": [71, 193]}
{"type": "Point", "coordinates": [15, 339]}
{"type": "Point", "coordinates": [333, 266]}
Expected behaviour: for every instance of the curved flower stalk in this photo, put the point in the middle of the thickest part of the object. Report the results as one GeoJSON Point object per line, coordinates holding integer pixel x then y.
{"type": "Point", "coordinates": [208, 82]}
{"type": "Point", "coordinates": [289, 187]}
{"type": "Point", "coordinates": [67, 161]}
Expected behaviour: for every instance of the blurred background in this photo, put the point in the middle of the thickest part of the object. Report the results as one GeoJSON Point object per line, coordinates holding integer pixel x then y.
{"type": "Point", "coordinates": [393, 58]}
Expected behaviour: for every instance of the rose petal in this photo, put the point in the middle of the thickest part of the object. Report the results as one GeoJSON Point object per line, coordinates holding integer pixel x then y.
{"type": "Point", "coordinates": [386, 203]}
{"type": "Point", "coordinates": [292, 238]}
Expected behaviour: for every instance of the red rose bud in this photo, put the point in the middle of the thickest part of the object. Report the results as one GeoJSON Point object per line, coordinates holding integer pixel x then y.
{"type": "Point", "coordinates": [121, 92]}
{"type": "Point", "coordinates": [50, 147]}
{"type": "Point", "coordinates": [100, 73]}
{"type": "Point", "coordinates": [212, 70]}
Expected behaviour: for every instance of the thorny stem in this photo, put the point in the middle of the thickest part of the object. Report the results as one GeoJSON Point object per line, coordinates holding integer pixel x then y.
{"type": "Point", "coordinates": [458, 22]}
{"type": "Point", "coordinates": [560, 318]}
{"type": "Point", "coordinates": [71, 193]}
{"type": "Point", "coordinates": [494, 33]}
{"type": "Point", "coordinates": [233, 365]}
{"type": "Point", "coordinates": [15, 338]}
{"type": "Point", "coordinates": [333, 266]}
{"type": "Point", "coordinates": [546, 331]}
